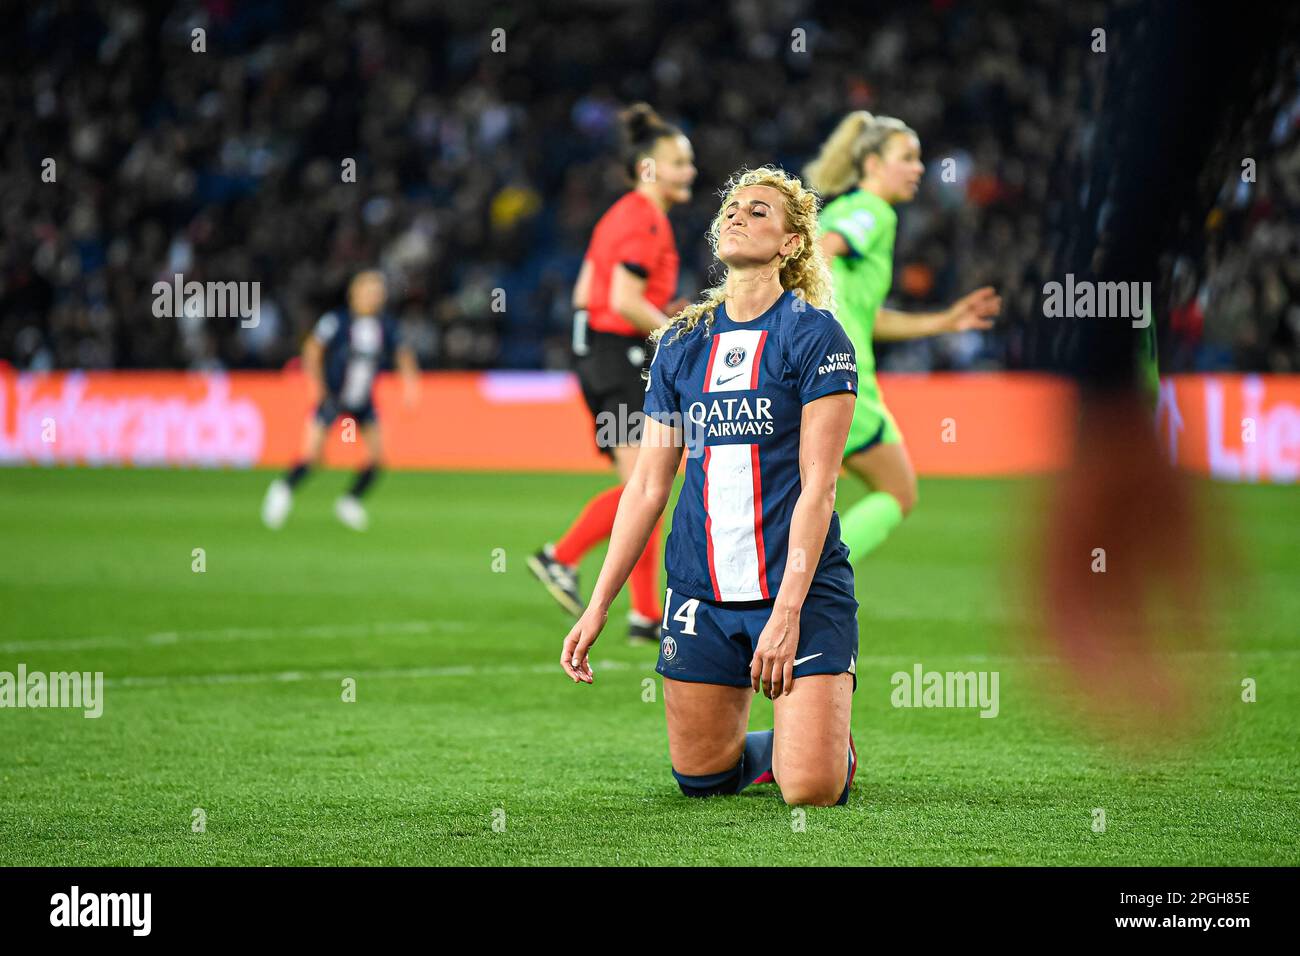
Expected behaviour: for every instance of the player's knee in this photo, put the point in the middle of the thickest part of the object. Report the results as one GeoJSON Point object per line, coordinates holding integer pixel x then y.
{"type": "Point", "coordinates": [724, 783]}
{"type": "Point", "coordinates": [907, 496]}
{"type": "Point", "coordinates": [810, 789]}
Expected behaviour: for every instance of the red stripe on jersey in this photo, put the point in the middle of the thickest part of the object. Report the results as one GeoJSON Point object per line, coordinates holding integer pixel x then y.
{"type": "Point", "coordinates": [708, 524]}
{"type": "Point", "coordinates": [708, 366]}
{"type": "Point", "coordinates": [753, 383]}
{"type": "Point", "coordinates": [758, 507]}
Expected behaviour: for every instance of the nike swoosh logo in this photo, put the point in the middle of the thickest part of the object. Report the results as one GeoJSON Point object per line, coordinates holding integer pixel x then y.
{"type": "Point", "coordinates": [724, 381]}
{"type": "Point", "coordinates": [802, 660]}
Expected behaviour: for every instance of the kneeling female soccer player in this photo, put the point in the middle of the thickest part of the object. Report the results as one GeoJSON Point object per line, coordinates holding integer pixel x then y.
{"type": "Point", "coordinates": [757, 382]}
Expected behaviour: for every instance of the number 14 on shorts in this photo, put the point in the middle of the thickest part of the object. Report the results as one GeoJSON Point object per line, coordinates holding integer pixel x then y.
{"type": "Point", "coordinates": [685, 614]}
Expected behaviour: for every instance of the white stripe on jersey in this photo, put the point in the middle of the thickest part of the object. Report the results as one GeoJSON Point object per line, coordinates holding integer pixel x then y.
{"type": "Point", "coordinates": [365, 347]}
{"type": "Point", "coordinates": [734, 354]}
{"type": "Point", "coordinates": [729, 504]}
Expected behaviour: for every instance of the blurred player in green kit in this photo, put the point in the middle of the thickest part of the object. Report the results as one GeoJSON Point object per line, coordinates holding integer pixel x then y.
{"type": "Point", "coordinates": [866, 167]}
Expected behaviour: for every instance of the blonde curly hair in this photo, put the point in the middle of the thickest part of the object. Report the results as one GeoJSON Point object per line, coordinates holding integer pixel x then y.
{"type": "Point", "coordinates": [805, 271]}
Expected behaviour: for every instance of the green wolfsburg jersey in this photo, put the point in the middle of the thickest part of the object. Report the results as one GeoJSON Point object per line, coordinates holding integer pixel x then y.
{"type": "Point", "coordinates": [862, 278]}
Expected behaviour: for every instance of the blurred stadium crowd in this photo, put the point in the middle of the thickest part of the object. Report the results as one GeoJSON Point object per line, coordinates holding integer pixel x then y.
{"type": "Point", "coordinates": [479, 170]}
{"type": "Point", "coordinates": [1234, 289]}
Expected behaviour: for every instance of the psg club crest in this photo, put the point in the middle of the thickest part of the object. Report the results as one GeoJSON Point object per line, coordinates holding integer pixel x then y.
{"type": "Point", "coordinates": [735, 357]}
{"type": "Point", "coordinates": [670, 648]}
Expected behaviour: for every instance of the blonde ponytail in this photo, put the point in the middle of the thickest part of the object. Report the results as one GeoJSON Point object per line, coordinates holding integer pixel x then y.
{"type": "Point", "coordinates": [838, 165]}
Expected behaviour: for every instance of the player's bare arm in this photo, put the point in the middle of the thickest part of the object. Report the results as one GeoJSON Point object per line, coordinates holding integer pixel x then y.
{"type": "Point", "coordinates": [627, 298]}
{"type": "Point", "coordinates": [974, 310]}
{"type": "Point", "coordinates": [582, 288]}
{"type": "Point", "coordinates": [823, 430]}
{"type": "Point", "coordinates": [643, 501]}
{"type": "Point", "coordinates": [313, 363]}
{"type": "Point", "coordinates": [408, 366]}
{"type": "Point", "coordinates": [833, 244]}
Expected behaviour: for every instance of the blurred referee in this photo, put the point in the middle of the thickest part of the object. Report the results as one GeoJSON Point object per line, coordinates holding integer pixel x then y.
{"type": "Point", "coordinates": [628, 276]}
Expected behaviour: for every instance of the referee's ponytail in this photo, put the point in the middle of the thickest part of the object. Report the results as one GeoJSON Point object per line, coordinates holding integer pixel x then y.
{"type": "Point", "coordinates": [642, 128]}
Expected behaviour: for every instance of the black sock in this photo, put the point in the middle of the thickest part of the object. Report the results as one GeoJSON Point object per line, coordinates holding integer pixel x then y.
{"type": "Point", "coordinates": [712, 784]}
{"type": "Point", "coordinates": [364, 477]}
{"type": "Point", "coordinates": [296, 474]}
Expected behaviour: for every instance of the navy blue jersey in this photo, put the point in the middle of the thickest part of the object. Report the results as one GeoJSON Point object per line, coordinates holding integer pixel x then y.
{"type": "Point", "coordinates": [356, 349]}
{"type": "Point", "coordinates": [737, 391]}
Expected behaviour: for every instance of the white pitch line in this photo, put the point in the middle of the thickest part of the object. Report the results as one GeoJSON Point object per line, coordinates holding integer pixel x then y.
{"type": "Point", "coordinates": [295, 677]}
{"type": "Point", "coordinates": [430, 627]}
{"type": "Point", "coordinates": [473, 670]}
{"type": "Point", "coordinates": [380, 628]}
{"type": "Point", "coordinates": [226, 634]}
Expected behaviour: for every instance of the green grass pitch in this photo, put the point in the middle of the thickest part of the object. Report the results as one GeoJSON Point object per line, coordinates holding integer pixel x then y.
{"type": "Point", "coordinates": [224, 693]}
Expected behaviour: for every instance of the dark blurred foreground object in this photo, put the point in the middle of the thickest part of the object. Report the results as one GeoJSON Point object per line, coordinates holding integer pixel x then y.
{"type": "Point", "coordinates": [1123, 558]}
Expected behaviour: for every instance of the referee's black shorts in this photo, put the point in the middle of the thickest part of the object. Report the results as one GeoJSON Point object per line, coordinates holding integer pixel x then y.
{"type": "Point", "coordinates": [613, 383]}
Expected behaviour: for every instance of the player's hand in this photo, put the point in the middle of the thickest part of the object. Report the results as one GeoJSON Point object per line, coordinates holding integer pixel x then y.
{"type": "Point", "coordinates": [973, 310]}
{"type": "Point", "coordinates": [574, 656]}
{"type": "Point", "coordinates": [772, 667]}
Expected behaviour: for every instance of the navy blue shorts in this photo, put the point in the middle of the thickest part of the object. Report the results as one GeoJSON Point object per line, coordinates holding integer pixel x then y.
{"type": "Point", "coordinates": [725, 635]}
{"type": "Point", "coordinates": [330, 409]}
